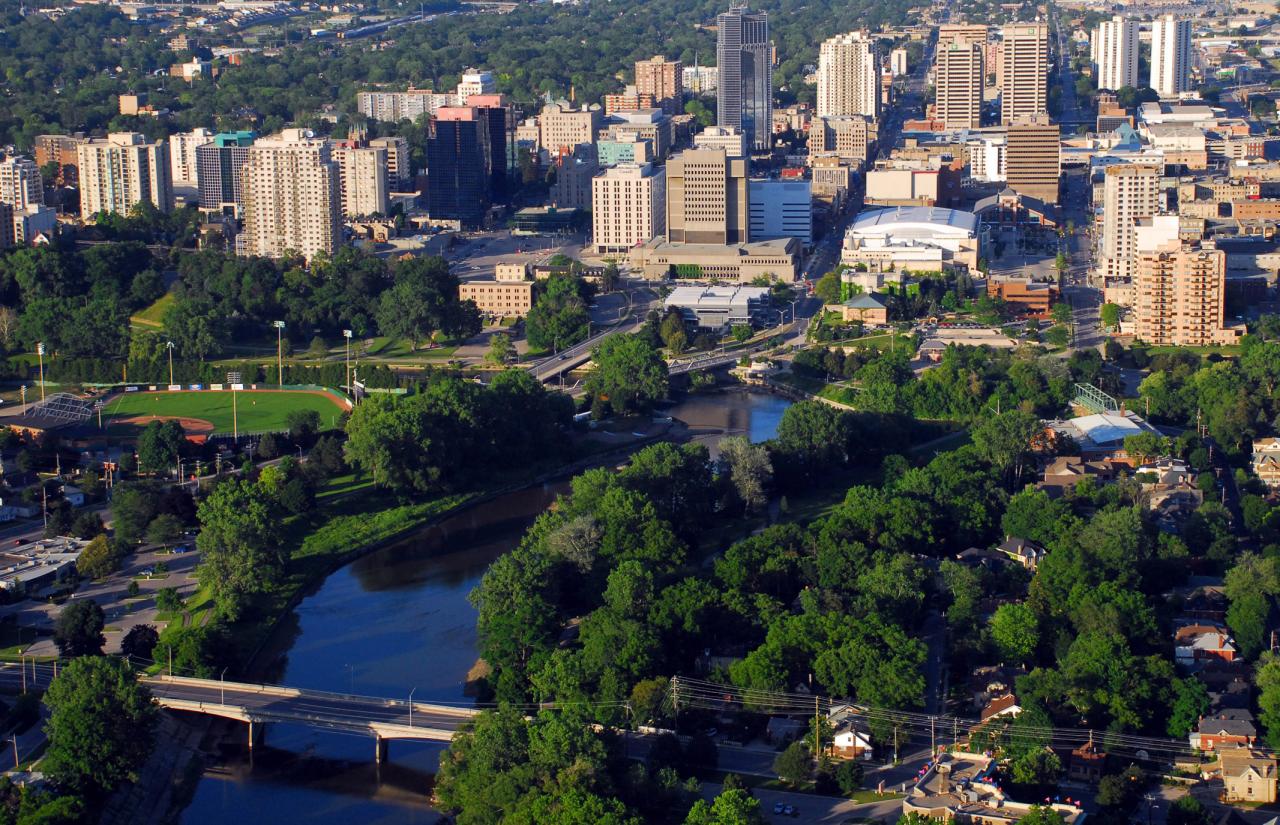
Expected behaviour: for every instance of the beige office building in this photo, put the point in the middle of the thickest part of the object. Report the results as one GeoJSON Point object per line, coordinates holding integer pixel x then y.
{"type": "Point", "coordinates": [1033, 163]}
{"type": "Point", "coordinates": [848, 77]}
{"type": "Point", "coordinates": [628, 204]}
{"type": "Point", "coordinates": [1180, 293]}
{"type": "Point", "coordinates": [561, 127]}
{"type": "Point", "coordinates": [664, 80]}
{"type": "Point", "coordinates": [848, 138]}
{"type": "Point", "coordinates": [502, 299]}
{"type": "Point", "coordinates": [707, 201]}
{"type": "Point", "coordinates": [1025, 76]}
{"type": "Point", "coordinates": [20, 183]}
{"type": "Point", "coordinates": [1129, 192]}
{"type": "Point", "coordinates": [363, 181]}
{"type": "Point", "coordinates": [292, 197]}
{"type": "Point", "coordinates": [1114, 47]}
{"type": "Point", "coordinates": [122, 171]}
{"type": "Point", "coordinates": [958, 81]}
{"type": "Point", "coordinates": [399, 167]}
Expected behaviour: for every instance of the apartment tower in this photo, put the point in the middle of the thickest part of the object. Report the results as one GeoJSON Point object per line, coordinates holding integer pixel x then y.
{"type": "Point", "coordinates": [628, 207]}
{"type": "Point", "coordinates": [1115, 53]}
{"type": "Point", "coordinates": [20, 184]}
{"type": "Point", "coordinates": [292, 197]}
{"type": "Point", "coordinates": [220, 167]}
{"type": "Point", "coordinates": [183, 167]}
{"type": "Point", "coordinates": [744, 58]}
{"type": "Point", "coordinates": [1180, 294]}
{"type": "Point", "coordinates": [1170, 55]}
{"type": "Point", "coordinates": [848, 77]}
{"type": "Point", "coordinates": [122, 171]}
{"type": "Point", "coordinates": [1025, 58]}
{"type": "Point", "coordinates": [707, 200]}
{"type": "Point", "coordinates": [958, 78]}
{"type": "Point", "coordinates": [1130, 192]}
{"type": "Point", "coordinates": [363, 179]}
{"type": "Point", "coordinates": [664, 80]}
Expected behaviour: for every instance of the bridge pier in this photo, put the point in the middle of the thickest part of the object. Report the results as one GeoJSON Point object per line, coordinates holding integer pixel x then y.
{"type": "Point", "coordinates": [379, 749]}
{"type": "Point", "coordinates": [257, 730]}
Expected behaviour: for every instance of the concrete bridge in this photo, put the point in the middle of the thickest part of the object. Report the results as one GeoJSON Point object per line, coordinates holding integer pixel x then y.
{"type": "Point", "coordinates": [257, 705]}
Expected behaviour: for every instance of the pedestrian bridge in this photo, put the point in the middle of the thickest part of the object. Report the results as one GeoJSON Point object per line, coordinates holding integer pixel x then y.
{"type": "Point", "coordinates": [257, 705]}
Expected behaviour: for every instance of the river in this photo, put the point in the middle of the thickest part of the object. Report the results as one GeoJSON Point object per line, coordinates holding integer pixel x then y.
{"type": "Point", "coordinates": [395, 621]}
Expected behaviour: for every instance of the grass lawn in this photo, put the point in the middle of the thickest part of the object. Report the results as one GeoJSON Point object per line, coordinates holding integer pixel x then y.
{"type": "Point", "coordinates": [153, 316]}
{"type": "Point", "coordinates": [256, 410]}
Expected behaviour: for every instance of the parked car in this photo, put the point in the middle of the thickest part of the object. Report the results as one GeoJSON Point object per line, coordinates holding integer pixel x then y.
{"type": "Point", "coordinates": [777, 807]}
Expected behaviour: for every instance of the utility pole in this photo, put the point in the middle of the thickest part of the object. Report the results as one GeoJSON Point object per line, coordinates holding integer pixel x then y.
{"type": "Point", "coordinates": [40, 355]}
{"type": "Point", "coordinates": [169, 346]}
{"type": "Point", "coordinates": [279, 325]}
{"type": "Point", "coordinates": [346, 338]}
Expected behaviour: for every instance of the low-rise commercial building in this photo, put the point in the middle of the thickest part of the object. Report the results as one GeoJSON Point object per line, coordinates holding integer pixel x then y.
{"type": "Point", "coordinates": [916, 238]}
{"type": "Point", "coordinates": [741, 262]}
{"type": "Point", "coordinates": [1023, 293]}
{"type": "Point", "coordinates": [719, 307]}
{"type": "Point", "coordinates": [502, 299]}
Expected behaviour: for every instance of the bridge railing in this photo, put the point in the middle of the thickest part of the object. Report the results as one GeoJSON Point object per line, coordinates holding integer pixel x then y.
{"type": "Point", "coordinates": [295, 693]}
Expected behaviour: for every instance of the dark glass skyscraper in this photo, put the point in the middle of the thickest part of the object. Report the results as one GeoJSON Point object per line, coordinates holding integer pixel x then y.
{"type": "Point", "coordinates": [744, 57]}
{"type": "Point", "coordinates": [458, 165]}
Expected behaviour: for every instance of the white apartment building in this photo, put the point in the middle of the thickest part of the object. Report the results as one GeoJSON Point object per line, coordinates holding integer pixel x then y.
{"type": "Point", "coordinates": [848, 77]}
{"type": "Point", "coordinates": [728, 138]}
{"type": "Point", "coordinates": [1170, 55]}
{"type": "Point", "coordinates": [182, 156]}
{"type": "Point", "coordinates": [475, 82]}
{"type": "Point", "coordinates": [292, 197]}
{"type": "Point", "coordinates": [20, 184]}
{"type": "Point", "coordinates": [1130, 192]}
{"type": "Point", "coordinates": [987, 158]}
{"type": "Point", "coordinates": [898, 62]}
{"type": "Point", "coordinates": [628, 207]}
{"type": "Point", "coordinates": [363, 181]}
{"type": "Point", "coordinates": [397, 106]}
{"type": "Point", "coordinates": [1114, 48]}
{"type": "Point", "coordinates": [121, 171]}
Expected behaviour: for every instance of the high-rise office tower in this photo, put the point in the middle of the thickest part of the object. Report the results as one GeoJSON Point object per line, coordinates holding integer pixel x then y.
{"type": "Point", "coordinates": [458, 166]}
{"type": "Point", "coordinates": [664, 80]}
{"type": "Point", "coordinates": [1025, 56]}
{"type": "Point", "coordinates": [122, 171]}
{"type": "Point", "coordinates": [292, 197]}
{"type": "Point", "coordinates": [898, 62]}
{"type": "Point", "coordinates": [219, 170]}
{"type": "Point", "coordinates": [628, 206]}
{"type": "Point", "coordinates": [848, 77]}
{"type": "Point", "coordinates": [1114, 48]}
{"type": "Point", "coordinates": [1181, 295]}
{"type": "Point", "coordinates": [707, 198]}
{"type": "Point", "coordinates": [1130, 192]}
{"type": "Point", "coordinates": [501, 127]}
{"type": "Point", "coordinates": [1033, 158]}
{"type": "Point", "coordinates": [744, 58]}
{"type": "Point", "coordinates": [20, 183]}
{"type": "Point", "coordinates": [183, 168]}
{"type": "Point", "coordinates": [1170, 55]}
{"type": "Point", "coordinates": [958, 79]}
{"type": "Point", "coordinates": [362, 178]}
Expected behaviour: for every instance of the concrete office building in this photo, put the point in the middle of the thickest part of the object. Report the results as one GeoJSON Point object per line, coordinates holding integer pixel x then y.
{"type": "Point", "coordinates": [707, 198]}
{"type": "Point", "coordinates": [121, 171]}
{"type": "Point", "coordinates": [1033, 164]}
{"type": "Point", "coordinates": [741, 262]}
{"type": "Point", "coordinates": [1170, 55]}
{"type": "Point", "coordinates": [501, 299]}
{"type": "Point", "coordinates": [394, 107]}
{"type": "Point", "coordinates": [898, 62]}
{"type": "Point", "coordinates": [849, 138]}
{"type": "Point", "coordinates": [1130, 191]}
{"type": "Point", "coordinates": [20, 183]}
{"type": "Point", "coordinates": [731, 140]}
{"type": "Point", "coordinates": [664, 80]}
{"type": "Point", "coordinates": [183, 167]}
{"type": "Point", "coordinates": [562, 127]}
{"type": "Point", "coordinates": [458, 166]}
{"type": "Point", "coordinates": [626, 149]}
{"type": "Point", "coordinates": [363, 179]}
{"type": "Point", "coordinates": [574, 173]}
{"type": "Point", "coordinates": [1181, 295]}
{"type": "Point", "coordinates": [1114, 48]}
{"type": "Point", "coordinates": [1025, 60]}
{"type": "Point", "coordinates": [958, 81]}
{"type": "Point", "coordinates": [220, 166]}
{"type": "Point", "coordinates": [475, 82]}
{"type": "Point", "coordinates": [292, 197]}
{"type": "Point", "coordinates": [399, 167]}
{"type": "Point", "coordinates": [848, 77]}
{"type": "Point", "coordinates": [744, 58]}
{"type": "Point", "coordinates": [628, 207]}
{"type": "Point", "coordinates": [780, 209]}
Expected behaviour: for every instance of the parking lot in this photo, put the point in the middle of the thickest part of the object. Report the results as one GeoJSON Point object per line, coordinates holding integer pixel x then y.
{"type": "Point", "coordinates": [475, 254]}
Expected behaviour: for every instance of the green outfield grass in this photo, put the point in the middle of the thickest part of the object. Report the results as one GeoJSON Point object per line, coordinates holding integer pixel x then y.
{"type": "Point", "coordinates": [255, 409]}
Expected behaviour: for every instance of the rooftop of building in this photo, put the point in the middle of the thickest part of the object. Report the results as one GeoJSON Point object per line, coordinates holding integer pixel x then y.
{"type": "Point", "coordinates": [776, 246]}
{"type": "Point", "coordinates": [693, 296]}
{"type": "Point", "coordinates": [901, 216]}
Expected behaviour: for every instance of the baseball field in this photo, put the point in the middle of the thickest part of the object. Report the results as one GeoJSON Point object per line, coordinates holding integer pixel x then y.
{"type": "Point", "coordinates": [208, 411]}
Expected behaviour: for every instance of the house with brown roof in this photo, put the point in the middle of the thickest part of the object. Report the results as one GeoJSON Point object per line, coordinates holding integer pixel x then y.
{"type": "Point", "coordinates": [1006, 705]}
{"type": "Point", "coordinates": [1199, 642]}
{"type": "Point", "coordinates": [1247, 776]}
{"type": "Point", "coordinates": [1231, 727]}
{"type": "Point", "coordinates": [1064, 472]}
{"type": "Point", "coordinates": [1024, 552]}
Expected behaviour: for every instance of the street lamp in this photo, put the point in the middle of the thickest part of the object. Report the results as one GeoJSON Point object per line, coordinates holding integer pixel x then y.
{"type": "Point", "coordinates": [411, 705]}
{"type": "Point", "coordinates": [40, 355]}
{"type": "Point", "coordinates": [169, 346]}
{"type": "Point", "coordinates": [279, 325]}
{"type": "Point", "coordinates": [222, 684]}
{"type": "Point", "coordinates": [346, 337]}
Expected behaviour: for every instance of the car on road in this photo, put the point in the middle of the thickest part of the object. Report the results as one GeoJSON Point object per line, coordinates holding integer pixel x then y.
{"type": "Point", "coordinates": [777, 807]}
{"type": "Point", "coordinates": [790, 810]}
{"type": "Point", "coordinates": [181, 548]}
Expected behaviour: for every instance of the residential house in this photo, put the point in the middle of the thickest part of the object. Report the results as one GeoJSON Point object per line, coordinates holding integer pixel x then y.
{"type": "Point", "coordinates": [1232, 727]}
{"type": "Point", "coordinates": [1169, 484]}
{"type": "Point", "coordinates": [1086, 763]}
{"type": "Point", "coordinates": [851, 743]}
{"type": "Point", "coordinates": [73, 495]}
{"type": "Point", "coordinates": [1024, 552]}
{"type": "Point", "coordinates": [1198, 642]}
{"type": "Point", "coordinates": [1247, 776]}
{"type": "Point", "coordinates": [781, 730]}
{"type": "Point", "coordinates": [1006, 705]}
{"type": "Point", "coordinates": [982, 557]}
{"type": "Point", "coordinates": [1064, 472]}
{"type": "Point", "coordinates": [1266, 460]}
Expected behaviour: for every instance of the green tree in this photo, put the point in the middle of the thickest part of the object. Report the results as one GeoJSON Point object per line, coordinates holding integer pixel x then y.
{"type": "Point", "coordinates": [1015, 632]}
{"type": "Point", "coordinates": [1146, 446]}
{"type": "Point", "coordinates": [1188, 810]}
{"type": "Point", "coordinates": [500, 349]}
{"type": "Point", "coordinates": [1110, 315]}
{"type": "Point", "coordinates": [139, 642]}
{"type": "Point", "coordinates": [814, 436]}
{"type": "Point", "coordinates": [159, 446]}
{"type": "Point", "coordinates": [629, 375]}
{"type": "Point", "coordinates": [168, 600]}
{"type": "Point", "coordinates": [98, 559]}
{"type": "Point", "coordinates": [78, 629]}
{"type": "Point", "coordinates": [732, 806]}
{"type": "Point", "coordinates": [100, 728]}
{"type": "Point", "coordinates": [423, 300]}
{"type": "Point", "coordinates": [793, 765]}
{"type": "Point", "coordinates": [828, 288]}
{"type": "Point", "coordinates": [559, 317]}
{"type": "Point", "coordinates": [1266, 678]}
{"type": "Point", "coordinates": [1190, 702]}
{"type": "Point", "coordinates": [849, 776]}
{"type": "Point", "coordinates": [1005, 440]}
{"type": "Point", "coordinates": [133, 506]}
{"type": "Point", "coordinates": [749, 470]}
{"type": "Point", "coordinates": [239, 544]}
{"type": "Point", "coordinates": [1061, 312]}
